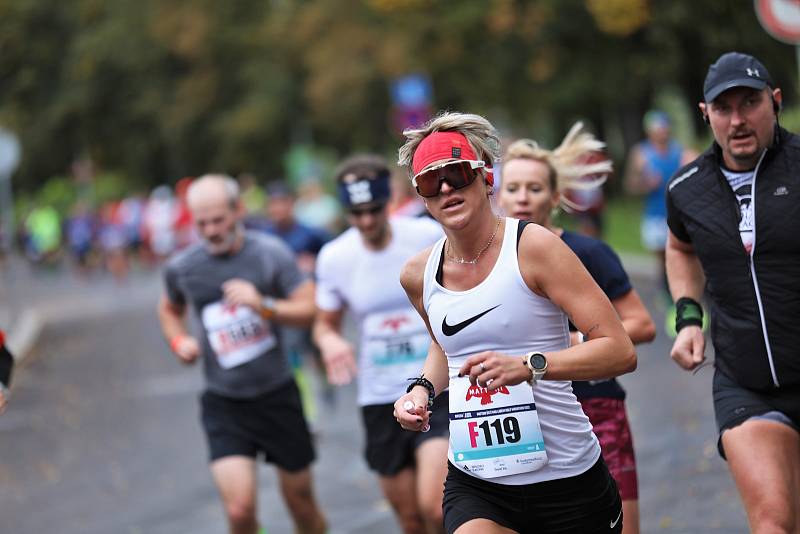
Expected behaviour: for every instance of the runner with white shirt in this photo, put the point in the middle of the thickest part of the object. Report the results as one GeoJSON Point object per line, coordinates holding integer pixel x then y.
{"type": "Point", "coordinates": [496, 294]}
{"type": "Point", "coordinates": [242, 286]}
{"type": "Point", "coordinates": [359, 271]}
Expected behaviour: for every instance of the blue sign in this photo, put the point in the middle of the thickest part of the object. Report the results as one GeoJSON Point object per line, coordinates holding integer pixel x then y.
{"type": "Point", "coordinates": [412, 91]}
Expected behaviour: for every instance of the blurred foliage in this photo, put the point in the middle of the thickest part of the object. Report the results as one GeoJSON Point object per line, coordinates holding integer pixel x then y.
{"type": "Point", "coordinates": [790, 119]}
{"type": "Point", "coordinates": [619, 17]}
{"type": "Point", "coordinates": [154, 90]}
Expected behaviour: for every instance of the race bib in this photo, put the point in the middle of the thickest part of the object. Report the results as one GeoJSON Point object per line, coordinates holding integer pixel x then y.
{"type": "Point", "coordinates": [237, 334]}
{"type": "Point", "coordinates": [395, 338]}
{"type": "Point", "coordinates": [495, 433]}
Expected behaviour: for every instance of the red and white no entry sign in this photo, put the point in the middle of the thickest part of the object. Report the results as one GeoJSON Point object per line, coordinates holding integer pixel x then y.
{"type": "Point", "coordinates": [781, 19]}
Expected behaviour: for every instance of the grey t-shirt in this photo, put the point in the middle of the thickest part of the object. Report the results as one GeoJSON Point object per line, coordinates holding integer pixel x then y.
{"type": "Point", "coordinates": [242, 356]}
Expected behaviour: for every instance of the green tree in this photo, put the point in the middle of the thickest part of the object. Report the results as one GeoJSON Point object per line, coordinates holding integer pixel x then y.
{"type": "Point", "coordinates": [153, 90]}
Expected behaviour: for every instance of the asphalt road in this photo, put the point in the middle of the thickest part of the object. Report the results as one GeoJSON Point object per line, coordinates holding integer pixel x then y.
{"type": "Point", "coordinates": [103, 435]}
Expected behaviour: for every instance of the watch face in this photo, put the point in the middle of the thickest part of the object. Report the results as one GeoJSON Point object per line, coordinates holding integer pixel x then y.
{"type": "Point", "coordinates": [538, 361]}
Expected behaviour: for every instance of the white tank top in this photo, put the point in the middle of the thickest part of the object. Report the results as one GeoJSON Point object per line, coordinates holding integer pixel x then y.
{"type": "Point", "coordinates": [502, 314]}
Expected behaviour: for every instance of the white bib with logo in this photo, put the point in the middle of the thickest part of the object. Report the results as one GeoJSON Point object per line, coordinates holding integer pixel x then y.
{"type": "Point", "coordinates": [495, 433]}
{"type": "Point", "coordinates": [395, 340]}
{"type": "Point", "coordinates": [237, 334]}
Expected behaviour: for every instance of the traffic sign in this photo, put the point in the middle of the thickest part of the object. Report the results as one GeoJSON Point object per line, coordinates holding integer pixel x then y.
{"type": "Point", "coordinates": [781, 19]}
{"type": "Point", "coordinates": [412, 91]}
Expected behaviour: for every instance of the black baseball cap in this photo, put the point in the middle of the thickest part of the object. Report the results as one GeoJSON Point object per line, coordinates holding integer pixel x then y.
{"type": "Point", "coordinates": [735, 69]}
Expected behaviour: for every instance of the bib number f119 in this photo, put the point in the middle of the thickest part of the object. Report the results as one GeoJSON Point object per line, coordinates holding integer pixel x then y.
{"type": "Point", "coordinates": [495, 433]}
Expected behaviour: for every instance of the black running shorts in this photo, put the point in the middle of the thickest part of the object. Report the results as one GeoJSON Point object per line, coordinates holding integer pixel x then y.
{"type": "Point", "coordinates": [389, 449]}
{"type": "Point", "coordinates": [584, 504]}
{"type": "Point", "coordinates": [271, 424]}
{"type": "Point", "coordinates": [733, 405]}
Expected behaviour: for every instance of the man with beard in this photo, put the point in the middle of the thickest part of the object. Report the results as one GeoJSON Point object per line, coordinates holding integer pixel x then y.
{"type": "Point", "coordinates": [733, 218]}
{"type": "Point", "coordinates": [242, 286]}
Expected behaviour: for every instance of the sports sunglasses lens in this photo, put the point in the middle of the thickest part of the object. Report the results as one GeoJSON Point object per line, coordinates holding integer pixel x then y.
{"type": "Point", "coordinates": [428, 184]}
{"type": "Point", "coordinates": [457, 175]}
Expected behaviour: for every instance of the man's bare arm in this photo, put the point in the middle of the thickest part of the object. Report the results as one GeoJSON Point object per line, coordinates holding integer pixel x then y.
{"type": "Point", "coordinates": [172, 317]}
{"type": "Point", "coordinates": [684, 272]}
{"type": "Point", "coordinates": [686, 279]}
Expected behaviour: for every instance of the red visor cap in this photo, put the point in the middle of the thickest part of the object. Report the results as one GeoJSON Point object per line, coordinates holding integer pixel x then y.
{"type": "Point", "coordinates": [446, 145]}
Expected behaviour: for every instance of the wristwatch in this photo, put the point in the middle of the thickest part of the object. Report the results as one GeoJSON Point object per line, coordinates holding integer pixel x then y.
{"type": "Point", "coordinates": [537, 363]}
{"type": "Point", "coordinates": [267, 307]}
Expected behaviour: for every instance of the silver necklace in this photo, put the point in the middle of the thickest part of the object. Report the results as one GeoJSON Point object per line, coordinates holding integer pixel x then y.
{"type": "Point", "coordinates": [474, 260]}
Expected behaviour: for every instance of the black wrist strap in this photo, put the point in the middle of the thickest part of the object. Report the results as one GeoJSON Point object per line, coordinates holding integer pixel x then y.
{"type": "Point", "coordinates": [688, 312]}
{"type": "Point", "coordinates": [6, 365]}
{"type": "Point", "coordinates": [424, 382]}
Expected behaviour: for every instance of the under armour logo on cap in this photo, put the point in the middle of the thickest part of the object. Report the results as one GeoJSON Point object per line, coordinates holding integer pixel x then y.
{"type": "Point", "coordinates": [735, 70]}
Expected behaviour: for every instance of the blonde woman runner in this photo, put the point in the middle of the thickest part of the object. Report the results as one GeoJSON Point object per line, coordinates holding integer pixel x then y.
{"type": "Point", "coordinates": [495, 295]}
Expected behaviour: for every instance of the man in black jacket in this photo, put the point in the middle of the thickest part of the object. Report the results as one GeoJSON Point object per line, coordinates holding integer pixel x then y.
{"type": "Point", "coordinates": [734, 219]}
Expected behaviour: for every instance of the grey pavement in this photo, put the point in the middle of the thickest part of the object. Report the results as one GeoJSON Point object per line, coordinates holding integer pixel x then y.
{"type": "Point", "coordinates": [102, 434]}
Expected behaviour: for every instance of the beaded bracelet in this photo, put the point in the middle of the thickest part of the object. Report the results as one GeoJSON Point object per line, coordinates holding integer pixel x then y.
{"type": "Point", "coordinates": [424, 382]}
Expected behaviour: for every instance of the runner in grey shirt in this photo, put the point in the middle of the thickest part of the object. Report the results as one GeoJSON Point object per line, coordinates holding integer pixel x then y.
{"type": "Point", "coordinates": [241, 352]}
{"type": "Point", "coordinates": [241, 287]}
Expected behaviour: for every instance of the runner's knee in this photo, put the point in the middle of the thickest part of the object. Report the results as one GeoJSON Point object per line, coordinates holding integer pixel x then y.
{"type": "Point", "coordinates": [298, 495]}
{"type": "Point", "coordinates": [410, 521]}
{"type": "Point", "coordinates": [771, 517]}
{"type": "Point", "coordinates": [240, 513]}
{"type": "Point", "coordinates": [431, 510]}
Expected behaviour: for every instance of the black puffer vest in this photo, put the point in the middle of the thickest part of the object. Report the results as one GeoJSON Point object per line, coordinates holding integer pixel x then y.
{"type": "Point", "coordinates": [755, 299]}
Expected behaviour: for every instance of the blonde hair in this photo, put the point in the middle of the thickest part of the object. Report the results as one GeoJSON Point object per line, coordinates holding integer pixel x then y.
{"type": "Point", "coordinates": [567, 162]}
{"type": "Point", "coordinates": [481, 136]}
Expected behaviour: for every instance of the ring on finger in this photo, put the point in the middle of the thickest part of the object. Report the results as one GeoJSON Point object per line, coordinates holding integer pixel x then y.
{"type": "Point", "coordinates": [481, 366]}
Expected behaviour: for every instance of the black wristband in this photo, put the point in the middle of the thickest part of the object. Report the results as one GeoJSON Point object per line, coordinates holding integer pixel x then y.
{"type": "Point", "coordinates": [688, 312]}
{"type": "Point", "coordinates": [6, 365]}
{"type": "Point", "coordinates": [424, 382]}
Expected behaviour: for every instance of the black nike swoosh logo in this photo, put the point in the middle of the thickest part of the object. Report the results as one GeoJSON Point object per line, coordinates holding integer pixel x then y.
{"type": "Point", "coordinates": [450, 330]}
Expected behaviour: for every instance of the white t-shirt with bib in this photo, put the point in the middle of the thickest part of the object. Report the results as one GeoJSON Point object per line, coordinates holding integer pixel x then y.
{"type": "Point", "coordinates": [394, 341]}
{"type": "Point", "coordinates": [517, 434]}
